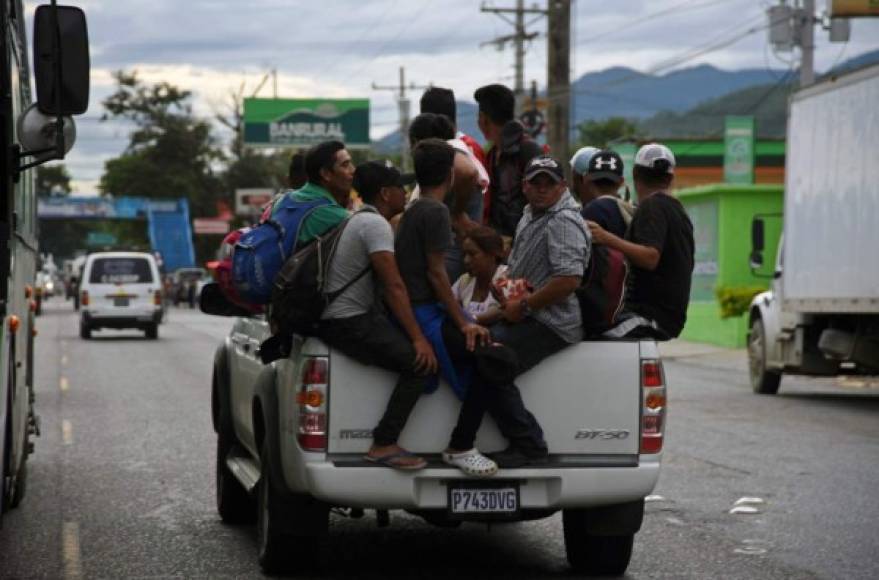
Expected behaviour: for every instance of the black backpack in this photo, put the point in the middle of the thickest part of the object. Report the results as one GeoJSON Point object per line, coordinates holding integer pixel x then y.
{"type": "Point", "coordinates": [298, 296]}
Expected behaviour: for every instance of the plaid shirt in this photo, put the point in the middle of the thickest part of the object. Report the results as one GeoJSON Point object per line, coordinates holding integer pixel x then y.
{"type": "Point", "coordinates": [548, 245]}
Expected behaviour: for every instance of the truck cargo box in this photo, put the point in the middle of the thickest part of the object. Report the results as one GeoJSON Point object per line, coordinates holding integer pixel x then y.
{"type": "Point", "coordinates": [831, 223]}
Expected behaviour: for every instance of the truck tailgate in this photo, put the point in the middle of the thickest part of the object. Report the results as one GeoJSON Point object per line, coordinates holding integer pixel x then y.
{"type": "Point", "coordinates": [586, 398]}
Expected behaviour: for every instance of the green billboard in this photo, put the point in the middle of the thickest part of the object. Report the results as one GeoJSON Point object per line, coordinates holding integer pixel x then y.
{"type": "Point", "coordinates": [738, 156]}
{"type": "Point", "coordinates": [305, 122]}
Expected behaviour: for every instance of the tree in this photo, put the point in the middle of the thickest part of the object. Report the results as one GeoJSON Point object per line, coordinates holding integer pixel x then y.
{"type": "Point", "coordinates": [53, 180]}
{"type": "Point", "coordinates": [602, 133]}
{"type": "Point", "coordinates": [171, 152]}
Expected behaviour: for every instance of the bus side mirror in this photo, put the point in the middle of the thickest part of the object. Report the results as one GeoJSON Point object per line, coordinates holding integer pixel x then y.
{"type": "Point", "coordinates": [61, 60]}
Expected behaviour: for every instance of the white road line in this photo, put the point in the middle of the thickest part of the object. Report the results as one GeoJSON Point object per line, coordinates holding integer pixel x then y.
{"type": "Point", "coordinates": [70, 550]}
{"type": "Point", "coordinates": [63, 384]}
{"type": "Point", "coordinates": [67, 432]}
{"type": "Point", "coordinates": [64, 360]}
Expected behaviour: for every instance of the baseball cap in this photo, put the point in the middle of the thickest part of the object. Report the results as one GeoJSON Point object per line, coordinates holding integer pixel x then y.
{"type": "Point", "coordinates": [544, 164]}
{"type": "Point", "coordinates": [605, 164]}
{"type": "Point", "coordinates": [371, 176]}
{"type": "Point", "coordinates": [656, 156]}
{"type": "Point", "coordinates": [580, 160]}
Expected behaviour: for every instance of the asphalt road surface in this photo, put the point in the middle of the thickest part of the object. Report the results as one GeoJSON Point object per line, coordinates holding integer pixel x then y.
{"type": "Point", "coordinates": [122, 482]}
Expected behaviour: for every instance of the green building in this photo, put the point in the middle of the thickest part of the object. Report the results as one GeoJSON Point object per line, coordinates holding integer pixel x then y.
{"type": "Point", "coordinates": [722, 216]}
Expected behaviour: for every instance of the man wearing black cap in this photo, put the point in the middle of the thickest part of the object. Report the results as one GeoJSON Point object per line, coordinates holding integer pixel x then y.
{"type": "Point", "coordinates": [550, 252]}
{"type": "Point", "coordinates": [512, 148]}
{"type": "Point", "coordinates": [603, 179]}
{"type": "Point", "coordinates": [353, 322]}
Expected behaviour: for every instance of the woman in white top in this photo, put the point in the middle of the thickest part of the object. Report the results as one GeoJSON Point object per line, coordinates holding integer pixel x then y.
{"type": "Point", "coordinates": [483, 253]}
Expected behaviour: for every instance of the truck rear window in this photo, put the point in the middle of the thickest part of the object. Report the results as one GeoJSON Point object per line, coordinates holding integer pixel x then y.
{"type": "Point", "coordinates": [121, 271]}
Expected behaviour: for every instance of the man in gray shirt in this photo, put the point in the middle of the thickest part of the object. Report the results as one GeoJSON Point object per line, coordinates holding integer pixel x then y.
{"type": "Point", "coordinates": [550, 251]}
{"type": "Point", "coordinates": [354, 322]}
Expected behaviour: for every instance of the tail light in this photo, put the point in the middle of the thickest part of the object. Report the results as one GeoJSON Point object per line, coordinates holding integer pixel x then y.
{"type": "Point", "coordinates": [653, 406]}
{"type": "Point", "coordinates": [84, 298]}
{"type": "Point", "coordinates": [157, 298]}
{"type": "Point", "coordinates": [312, 402]}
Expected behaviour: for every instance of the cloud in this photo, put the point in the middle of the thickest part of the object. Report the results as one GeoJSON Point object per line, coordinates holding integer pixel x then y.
{"type": "Point", "coordinates": [339, 48]}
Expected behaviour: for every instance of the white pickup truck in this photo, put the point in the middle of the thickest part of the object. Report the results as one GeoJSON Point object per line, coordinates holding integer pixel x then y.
{"type": "Point", "coordinates": [291, 437]}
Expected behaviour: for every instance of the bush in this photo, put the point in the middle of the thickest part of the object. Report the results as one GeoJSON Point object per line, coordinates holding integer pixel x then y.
{"type": "Point", "coordinates": [735, 300]}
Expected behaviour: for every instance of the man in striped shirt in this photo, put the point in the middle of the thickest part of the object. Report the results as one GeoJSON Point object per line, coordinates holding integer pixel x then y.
{"type": "Point", "coordinates": [551, 251]}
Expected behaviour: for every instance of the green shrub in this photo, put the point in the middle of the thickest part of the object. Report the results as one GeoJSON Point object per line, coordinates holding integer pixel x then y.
{"type": "Point", "coordinates": [735, 300]}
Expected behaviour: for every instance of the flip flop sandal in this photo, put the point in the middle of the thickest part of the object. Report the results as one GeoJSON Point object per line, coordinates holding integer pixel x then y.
{"type": "Point", "coordinates": [392, 461]}
{"type": "Point", "coordinates": [472, 462]}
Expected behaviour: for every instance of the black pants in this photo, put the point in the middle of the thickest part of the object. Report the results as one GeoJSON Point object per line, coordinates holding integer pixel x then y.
{"type": "Point", "coordinates": [372, 339]}
{"type": "Point", "coordinates": [531, 342]}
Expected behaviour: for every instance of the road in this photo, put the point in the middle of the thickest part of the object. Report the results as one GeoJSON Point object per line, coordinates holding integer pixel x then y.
{"type": "Point", "coordinates": [121, 484]}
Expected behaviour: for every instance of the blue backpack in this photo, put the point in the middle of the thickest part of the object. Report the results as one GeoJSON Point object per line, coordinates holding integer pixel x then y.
{"type": "Point", "coordinates": [260, 253]}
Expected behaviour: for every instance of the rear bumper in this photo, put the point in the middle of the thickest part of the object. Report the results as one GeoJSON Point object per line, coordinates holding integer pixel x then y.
{"type": "Point", "coordinates": [540, 488]}
{"type": "Point", "coordinates": [131, 318]}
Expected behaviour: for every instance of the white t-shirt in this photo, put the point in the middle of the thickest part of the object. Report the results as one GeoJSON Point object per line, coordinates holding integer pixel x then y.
{"type": "Point", "coordinates": [464, 287]}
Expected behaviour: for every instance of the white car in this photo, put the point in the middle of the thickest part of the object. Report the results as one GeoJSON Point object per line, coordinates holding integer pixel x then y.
{"type": "Point", "coordinates": [120, 290]}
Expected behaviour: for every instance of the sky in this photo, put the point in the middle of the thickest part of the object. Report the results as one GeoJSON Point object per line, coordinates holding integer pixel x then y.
{"type": "Point", "coordinates": [339, 48]}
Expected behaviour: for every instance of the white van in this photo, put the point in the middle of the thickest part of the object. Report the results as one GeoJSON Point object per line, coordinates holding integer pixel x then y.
{"type": "Point", "coordinates": [120, 290]}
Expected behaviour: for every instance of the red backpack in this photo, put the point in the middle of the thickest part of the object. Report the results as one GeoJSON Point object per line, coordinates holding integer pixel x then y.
{"type": "Point", "coordinates": [603, 289]}
{"type": "Point", "coordinates": [223, 271]}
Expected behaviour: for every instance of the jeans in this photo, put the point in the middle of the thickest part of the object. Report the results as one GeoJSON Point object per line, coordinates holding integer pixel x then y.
{"type": "Point", "coordinates": [374, 340]}
{"type": "Point", "coordinates": [531, 342]}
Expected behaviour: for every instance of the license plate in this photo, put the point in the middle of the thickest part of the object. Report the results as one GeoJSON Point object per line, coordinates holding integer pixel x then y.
{"type": "Point", "coordinates": [482, 499]}
{"type": "Point", "coordinates": [120, 301]}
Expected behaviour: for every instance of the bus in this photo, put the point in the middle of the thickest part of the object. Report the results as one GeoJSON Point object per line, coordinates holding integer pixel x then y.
{"type": "Point", "coordinates": [35, 128]}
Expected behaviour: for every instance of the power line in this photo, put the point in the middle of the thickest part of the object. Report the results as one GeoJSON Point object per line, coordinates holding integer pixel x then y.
{"type": "Point", "coordinates": [683, 57]}
{"type": "Point", "coordinates": [517, 39]}
{"type": "Point", "coordinates": [680, 7]}
{"type": "Point", "coordinates": [366, 31]}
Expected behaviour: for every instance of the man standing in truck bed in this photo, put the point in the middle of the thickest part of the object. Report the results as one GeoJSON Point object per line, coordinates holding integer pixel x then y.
{"type": "Point", "coordinates": [512, 148]}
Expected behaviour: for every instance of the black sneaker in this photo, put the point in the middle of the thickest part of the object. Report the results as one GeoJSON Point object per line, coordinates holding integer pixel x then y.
{"type": "Point", "coordinates": [513, 457]}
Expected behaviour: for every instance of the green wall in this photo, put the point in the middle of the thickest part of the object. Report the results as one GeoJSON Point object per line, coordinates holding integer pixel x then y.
{"type": "Point", "coordinates": [722, 216]}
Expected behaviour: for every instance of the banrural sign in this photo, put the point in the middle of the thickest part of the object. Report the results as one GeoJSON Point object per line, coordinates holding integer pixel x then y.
{"type": "Point", "coordinates": [305, 122]}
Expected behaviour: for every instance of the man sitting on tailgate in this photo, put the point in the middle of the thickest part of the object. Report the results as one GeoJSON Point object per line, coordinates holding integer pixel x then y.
{"type": "Point", "coordinates": [354, 321]}
{"type": "Point", "coordinates": [659, 246]}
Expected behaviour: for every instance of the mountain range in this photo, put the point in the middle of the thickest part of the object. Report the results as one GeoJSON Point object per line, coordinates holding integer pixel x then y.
{"type": "Point", "coordinates": [687, 102]}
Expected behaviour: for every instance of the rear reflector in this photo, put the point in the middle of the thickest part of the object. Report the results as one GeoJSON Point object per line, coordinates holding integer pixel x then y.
{"type": "Point", "coordinates": [157, 298]}
{"type": "Point", "coordinates": [84, 298]}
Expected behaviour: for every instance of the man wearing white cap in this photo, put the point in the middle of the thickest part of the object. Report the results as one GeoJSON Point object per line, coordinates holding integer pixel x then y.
{"type": "Point", "coordinates": [659, 246]}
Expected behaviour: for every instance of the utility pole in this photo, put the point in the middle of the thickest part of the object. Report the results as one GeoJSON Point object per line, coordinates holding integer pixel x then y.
{"type": "Point", "coordinates": [793, 26]}
{"type": "Point", "coordinates": [517, 39]}
{"type": "Point", "coordinates": [403, 104]}
{"type": "Point", "coordinates": [559, 78]}
{"type": "Point", "coordinates": [807, 43]}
